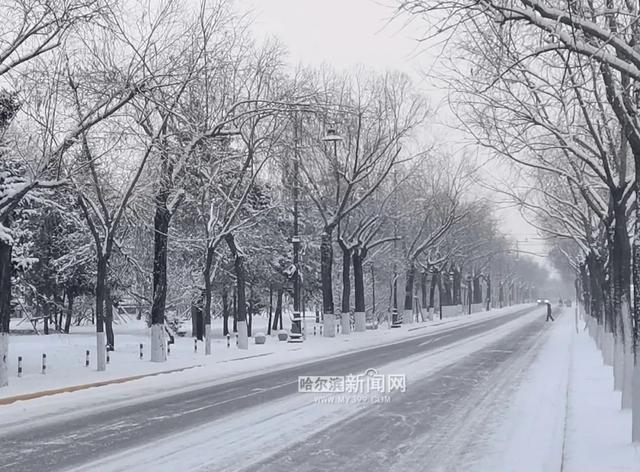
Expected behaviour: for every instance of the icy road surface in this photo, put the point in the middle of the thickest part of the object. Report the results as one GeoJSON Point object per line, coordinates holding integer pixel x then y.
{"type": "Point", "coordinates": [457, 383]}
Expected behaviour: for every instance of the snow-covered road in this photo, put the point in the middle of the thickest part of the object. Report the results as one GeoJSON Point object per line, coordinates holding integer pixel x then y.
{"type": "Point", "coordinates": [457, 381]}
{"type": "Point", "coordinates": [441, 423]}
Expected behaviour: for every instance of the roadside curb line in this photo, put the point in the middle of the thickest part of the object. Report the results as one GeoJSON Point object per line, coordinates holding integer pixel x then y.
{"type": "Point", "coordinates": [245, 357]}
{"type": "Point", "coordinates": [74, 388]}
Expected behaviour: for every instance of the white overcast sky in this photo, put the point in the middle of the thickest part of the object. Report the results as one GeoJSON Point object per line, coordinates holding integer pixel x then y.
{"type": "Point", "coordinates": [345, 33]}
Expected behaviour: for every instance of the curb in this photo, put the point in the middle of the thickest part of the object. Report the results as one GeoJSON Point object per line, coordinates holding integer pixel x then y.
{"type": "Point", "coordinates": [75, 388]}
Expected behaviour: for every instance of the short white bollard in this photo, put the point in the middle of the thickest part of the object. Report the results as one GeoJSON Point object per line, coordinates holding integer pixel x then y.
{"type": "Point", "coordinates": [19, 366]}
{"type": "Point", "coordinates": [195, 345]}
{"type": "Point", "coordinates": [228, 340]}
{"type": "Point", "coordinates": [141, 351]}
{"type": "Point", "coordinates": [108, 357]}
{"type": "Point", "coordinates": [168, 348]}
{"type": "Point", "coordinates": [86, 359]}
{"type": "Point", "coordinates": [44, 364]}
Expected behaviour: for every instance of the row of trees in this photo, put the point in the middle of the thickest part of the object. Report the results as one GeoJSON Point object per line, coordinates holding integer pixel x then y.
{"type": "Point", "coordinates": [553, 88]}
{"type": "Point", "coordinates": [153, 151]}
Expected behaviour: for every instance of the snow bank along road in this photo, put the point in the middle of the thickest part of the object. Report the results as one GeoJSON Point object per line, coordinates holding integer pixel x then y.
{"type": "Point", "coordinates": [456, 379]}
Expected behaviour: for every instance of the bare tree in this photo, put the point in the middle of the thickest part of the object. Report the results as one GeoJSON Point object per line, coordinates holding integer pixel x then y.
{"type": "Point", "coordinates": [379, 114]}
{"type": "Point", "coordinates": [39, 37]}
{"type": "Point", "coordinates": [103, 209]}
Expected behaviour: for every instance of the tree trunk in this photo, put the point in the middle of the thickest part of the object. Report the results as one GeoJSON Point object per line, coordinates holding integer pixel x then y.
{"type": "Point", "coordinates": [373, 290]}
{"type": "Point", "coordinates": [585, 286]}
{"type": "Point", "coordinates": [346, 278]}
{"type": "Point", "coordinates": [635, 434]}
{"type": "Point", "coordinates": [225, 311]}
{"type": "Point", "coordinates": [206, 275]}
{"type": "Point", "coordinates": [424, 289]}
{"type": "Point", "coordinates": [161, 239]}
{"type": "Point", "coordinates": [250, 319]}
{"type": "Point", "coordinates": [597, 282]}
{"type": "Point", "coordinates": [108, 318]}
{"type": "Point", "coordinates": [235, 309]}
{"type": "Point", "coordinates": [46, 315]}
{"type": "Point", "coordinates": [250, 315]}
{"type": "Point", "coordinates": [477, 290]}
{"type": "Point", "coordinates": [56, 304]}
{"type": "Point", "coordinates": [194, 320]}
{"type": "Point", "coordinates": [239, 270]}
{"type": "Point", "coordinates": [358, 286]}
{"type": "Point", "coordinates": [469, 299]}
{"type": "Point", "coordinates": [270, 309]}
{"type": "Point", "coordinates": [447, 298]}
{"type": "Point", "coordinates": [6, 270]}
{"type": "Point", "coordinates": [489, 292]}
{"type": "Point", "coordinates": [326, 265]}
{"type": "Point", "coordinates": [346, 289]}
{"type": "Point", "coordinates": [409, 279]}
{"type": "Point", "coordinates": [70, 299]}
{"type": "Point", "coordinates": [456, 290]}
{"type": "Point", "coordinates": [101, 342]}
{"type": "Point", "coordinates": [432, 289]}
{"type": "Point", "coordinates": [621, 257]}
{"type": "Point", "coordinates": [197, 316]}
{"type": "Point", "coordinates": [278, 313]}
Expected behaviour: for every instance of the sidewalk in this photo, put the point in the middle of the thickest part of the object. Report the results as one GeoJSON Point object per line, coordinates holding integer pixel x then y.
{"type": "Point", "coordinates": [598, 433]}
{"type": "Point", "coordinates": [564, 415]}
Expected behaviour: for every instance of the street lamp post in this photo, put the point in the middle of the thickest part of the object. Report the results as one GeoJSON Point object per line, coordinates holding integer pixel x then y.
{"type": "Point", "coordinates": [296, 321]}
{"type": "Point", "coordinates": [396, 319]}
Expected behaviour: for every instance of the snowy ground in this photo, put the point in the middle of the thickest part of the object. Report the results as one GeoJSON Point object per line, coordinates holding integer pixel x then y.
{"type": "Point", "coordinates": [66, 353]}
{"type": "Point", "coordinates": [597, 432]}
